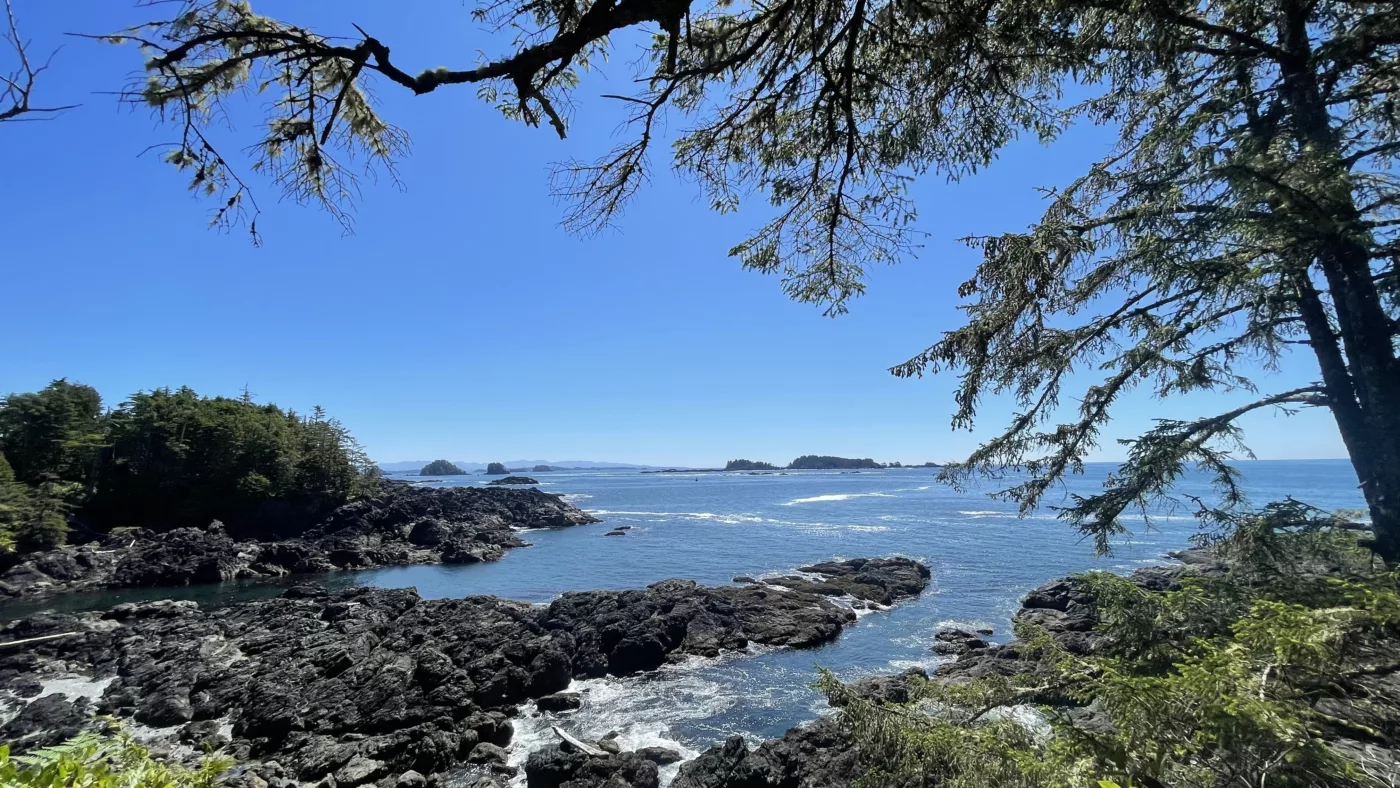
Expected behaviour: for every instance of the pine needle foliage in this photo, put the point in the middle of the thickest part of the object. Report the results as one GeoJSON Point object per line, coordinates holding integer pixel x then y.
{"type": "Point", "coordinates": [1215, 684]}
{"type": "Point", "coordinates": [166, 458]}
{"type": "Point", "coordinates": [1249, 208]}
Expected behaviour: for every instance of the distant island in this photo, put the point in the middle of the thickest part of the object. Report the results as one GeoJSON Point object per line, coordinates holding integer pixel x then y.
{"type": "Point", "coordinates": [807, 462]}
{"type": "Point", "coordinates": [544, 469]}
{"type": "Point", "coordinates": [441, 468]}
{"type": "Point", "coordinates": [816, 462]}
{"type": "Point", "coordinates": [749, 465]}
{"type": "Point", "coordinates": [495, 469]}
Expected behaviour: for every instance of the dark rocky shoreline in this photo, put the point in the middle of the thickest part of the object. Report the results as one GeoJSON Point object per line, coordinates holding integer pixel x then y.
{"type": "Point", "coordinates": [399, 525]}
{"type": "Point", "coordinates": [379, 686]}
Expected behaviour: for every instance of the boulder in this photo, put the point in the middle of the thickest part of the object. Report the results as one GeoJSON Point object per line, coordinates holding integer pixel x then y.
{"type": "Point", "coordinates": [555, 768]}
{"type": "Point", "coordinates": [661, 756]}
{"type": "Point", "coordinates": [559, 701]}
{"type": "Point", "coordinates": [956, 641]}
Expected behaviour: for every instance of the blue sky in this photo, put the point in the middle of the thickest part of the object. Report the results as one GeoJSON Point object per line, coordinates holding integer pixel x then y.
{"type": "Point", "coordinates": [459, 320]}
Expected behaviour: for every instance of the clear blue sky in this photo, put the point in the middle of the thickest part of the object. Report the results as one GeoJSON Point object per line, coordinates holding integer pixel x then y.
{"type": "Point", "coordinates": [459, 321]}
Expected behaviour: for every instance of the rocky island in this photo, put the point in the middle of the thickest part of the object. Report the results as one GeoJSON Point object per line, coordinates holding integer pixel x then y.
{"type": "Point", "coordinates": [379, 686]}
{"type": "Point", "coordinates": [514, 480]}
{"type": "Point", "coordinates": [441, 468]}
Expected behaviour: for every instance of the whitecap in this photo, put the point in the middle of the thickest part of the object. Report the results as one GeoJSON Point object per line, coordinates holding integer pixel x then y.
{"type": "Point", "coordinates": [728, 519]}
{"type": "Point", "coordinates": [838, 497]}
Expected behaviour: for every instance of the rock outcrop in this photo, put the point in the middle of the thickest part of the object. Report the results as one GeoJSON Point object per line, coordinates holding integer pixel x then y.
{"type": "Point", "coordinates": [400, 524]}
{"type": "Point", "coordinates": [371, 684]}
{"type": "Point", "coordinates": [558, 767]}
{"type": "Point", "coordinates": [878, 580]}
{"type": "Point", "coordinates": [514, 480]}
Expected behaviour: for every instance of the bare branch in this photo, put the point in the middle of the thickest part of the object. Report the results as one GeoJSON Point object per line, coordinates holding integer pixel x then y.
{"type": "Point", "coordinates": [17, 85]}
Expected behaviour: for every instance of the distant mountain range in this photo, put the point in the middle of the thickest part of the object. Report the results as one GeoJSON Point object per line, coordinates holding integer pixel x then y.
{"type": "Point", "coordinates": [414, 465]}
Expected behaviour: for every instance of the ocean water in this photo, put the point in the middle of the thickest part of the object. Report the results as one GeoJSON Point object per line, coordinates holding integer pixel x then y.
{"type": "Point", "coordinates": [712, 527]}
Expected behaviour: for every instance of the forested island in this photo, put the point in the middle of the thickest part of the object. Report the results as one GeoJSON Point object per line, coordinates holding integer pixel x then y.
{"type": "Point", "coordinates": [749, 465]}
{"type": "Point", "coordinates": [807, 462]}
{"type": "Point", "coordinates": [441, 468]}
{"type": "Point", "coordinates": [816, 462]}
{"type": "Point", "coordinates": [496, 469]}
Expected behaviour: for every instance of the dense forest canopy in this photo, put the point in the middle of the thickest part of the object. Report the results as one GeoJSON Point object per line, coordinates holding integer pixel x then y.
{"type": "Point", "coordinates": [441, 468]}
{"type": "Point", "coordinates": [809, 462]}
{"type": "Point", "coordinates": [496, 469]}
{"type": "Point", "coordinates": [1249, 207]}
{"type": "Point", "coordinates": [163, 459]}
{"type": "Point", "coordinates": [749, 465]}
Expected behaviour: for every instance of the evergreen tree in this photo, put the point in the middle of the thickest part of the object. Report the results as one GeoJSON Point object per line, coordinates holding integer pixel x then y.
{"type": "Point", "coordinates": [52, 434]}
{"type": "Point", "coordinates": [1250, 205]}
{"type": "Point", "coordinates": [14, 506]}
{"type": "Point", "coordinates": [177, 458]}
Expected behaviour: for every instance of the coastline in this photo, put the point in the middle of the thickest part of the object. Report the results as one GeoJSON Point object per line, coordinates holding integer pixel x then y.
{"type": "Point", "coordinates": [401, 525]}
{"type": "Point", "coordinates": [370, 684]}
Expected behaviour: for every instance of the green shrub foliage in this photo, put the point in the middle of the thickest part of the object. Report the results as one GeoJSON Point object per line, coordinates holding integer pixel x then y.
{"type": "Point", "coordinates": [111, 759]}
{"type": "Point", "coordinates": [1218, 683]}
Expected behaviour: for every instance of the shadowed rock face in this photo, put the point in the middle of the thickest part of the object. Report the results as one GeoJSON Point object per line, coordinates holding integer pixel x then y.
{"type": "Point", "coordinates": [399, 525]}
{"type": "Point", "coordinates": [369, 684]}
{"type": "Point", "coordinates": [560, 768]}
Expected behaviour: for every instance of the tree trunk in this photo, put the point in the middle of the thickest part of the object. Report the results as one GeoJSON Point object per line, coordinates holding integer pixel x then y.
{"type": "Point", "coordinates": [1361, 373]}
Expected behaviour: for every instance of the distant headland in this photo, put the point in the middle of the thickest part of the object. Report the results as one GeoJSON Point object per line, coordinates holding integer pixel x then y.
{"type": "Point", "coordinates": [807, 462]}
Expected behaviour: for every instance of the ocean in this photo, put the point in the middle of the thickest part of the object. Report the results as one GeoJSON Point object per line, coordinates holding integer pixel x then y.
{"type": "Point", "coordinates": [712, 527]}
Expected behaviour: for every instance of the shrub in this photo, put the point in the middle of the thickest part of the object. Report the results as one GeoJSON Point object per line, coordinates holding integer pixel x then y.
{"type": "Point", "coordinates": [111, 759]}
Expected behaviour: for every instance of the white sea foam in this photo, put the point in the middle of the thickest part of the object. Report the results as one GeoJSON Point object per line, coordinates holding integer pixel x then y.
{"type": "Point", "coordinates": [838, 497]}
{"type": "Point", "coordinates": [74, 687]}
{"type": "Point", "coordinates": [641, 709]}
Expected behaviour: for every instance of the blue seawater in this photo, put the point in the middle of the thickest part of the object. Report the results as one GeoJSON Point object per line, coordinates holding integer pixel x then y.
{"type": "Point", "coordinates": [712, 527]}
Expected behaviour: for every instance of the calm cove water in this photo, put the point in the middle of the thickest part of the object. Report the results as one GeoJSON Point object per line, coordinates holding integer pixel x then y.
{"type": "Point", "coordinates": [712, 527]}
